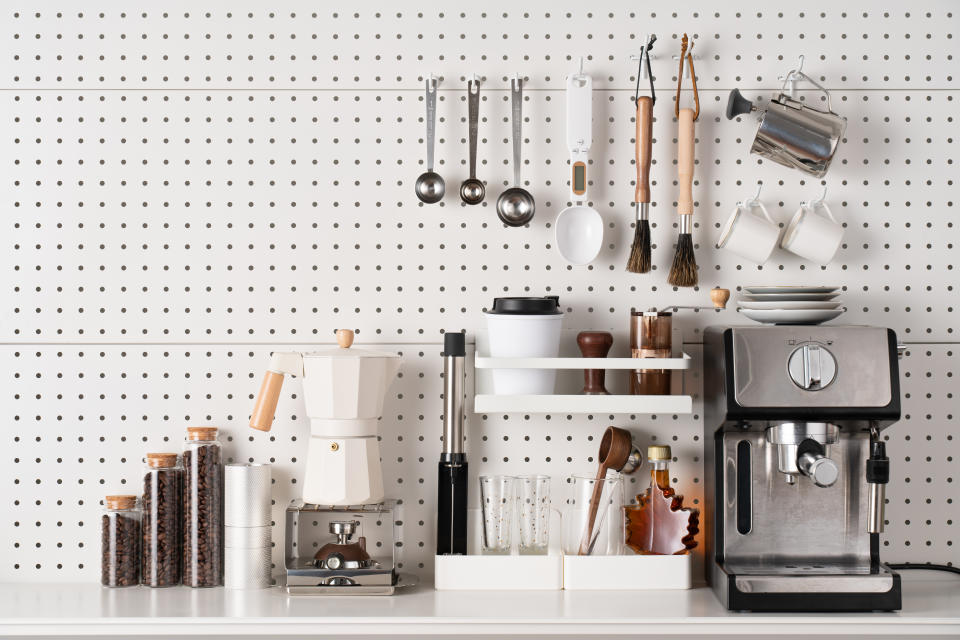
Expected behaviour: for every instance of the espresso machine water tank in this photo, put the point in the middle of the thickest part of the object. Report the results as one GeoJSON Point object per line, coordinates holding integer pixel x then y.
{"type": "Point", "coordinates": [795, 466]}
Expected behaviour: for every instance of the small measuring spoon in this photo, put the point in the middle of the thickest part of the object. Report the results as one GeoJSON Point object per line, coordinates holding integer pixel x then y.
{"type": "Point", "coordinates": [430, 187]}
{"type": "Point", "coordinates": [472, 190]}
{"type": "Point", "coordinates": [516, 206]}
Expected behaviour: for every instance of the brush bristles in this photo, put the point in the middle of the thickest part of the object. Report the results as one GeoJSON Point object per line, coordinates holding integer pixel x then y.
{"type": "Point", "coordinates": [639, 261]}
{"type": "Point", "coordinates": [683, 272]}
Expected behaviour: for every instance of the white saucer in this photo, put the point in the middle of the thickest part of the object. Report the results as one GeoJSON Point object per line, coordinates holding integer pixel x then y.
{"type": "Point", "coordinates": [795, 305]}
{"type": "Point", "coordinates": [792, 316]}
{"type": "Point", "coordinates": [790, 289]}
{"type": "Point", "coordinates": [794, 297]}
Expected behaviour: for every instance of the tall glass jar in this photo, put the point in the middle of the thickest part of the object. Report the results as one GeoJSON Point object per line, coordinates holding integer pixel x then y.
{"type": "Point", "coordinates": [651, 336]}
{"type": "Point", "coordinates": [161, 521]}
{"type": "Point", "coordinates": [120, 542]}
{"type": "Point", "coordinates": [202, 508]}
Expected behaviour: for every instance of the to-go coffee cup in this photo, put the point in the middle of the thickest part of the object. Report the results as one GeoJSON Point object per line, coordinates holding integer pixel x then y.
{"type": "Point", "coordinates": [750, 232]}
{"type": "Point", "coordinates": [813, 235]}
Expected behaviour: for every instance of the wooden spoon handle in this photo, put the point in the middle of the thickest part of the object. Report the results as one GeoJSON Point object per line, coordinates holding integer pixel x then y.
{"type": "Point", "coordinates": [592, 514]}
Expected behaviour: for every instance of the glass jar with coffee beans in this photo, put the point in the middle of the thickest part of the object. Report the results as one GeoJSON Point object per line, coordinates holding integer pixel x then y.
{"type": "Point", "coordinates": [202, 508]}
{"type": "Point", "coordinates": [161, 521]}
{"type": "Point", "coordinates": [120, 542]}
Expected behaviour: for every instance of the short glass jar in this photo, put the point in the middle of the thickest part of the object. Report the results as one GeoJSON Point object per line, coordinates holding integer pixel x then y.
{"type": "Point", "coordinates": [202, 508]}
{"type": "Point", "coordinates": [120, 542]}
{"type": "Point", "coordinates": [161, 521]}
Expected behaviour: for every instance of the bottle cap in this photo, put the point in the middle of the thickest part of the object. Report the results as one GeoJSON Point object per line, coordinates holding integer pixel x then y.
{"type": "Point", "coordinates": [454, 344]}
{"type": "Point", "coordinates": [201, 433]}
{"type": "Point", "coordinates": [659, 452]}
{"type": "Point", "coordinates": [161, 460]}
{"type": "Point", "coordinates": [120, 502]}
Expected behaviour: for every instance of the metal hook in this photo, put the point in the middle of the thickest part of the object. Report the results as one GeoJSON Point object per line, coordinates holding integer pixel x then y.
{"type": "Point", "coordinates": [756, 196]}
{"type": "Point", "coordinates": [815, 203]}
{"type": "Point", "coordinates": [685, 53]}
{"type": "Point", "coordinates": [473, 84]}
{"type": "Point", "coordinates": [432, 83]}
{"type": "Point", "coordinates": [644, 71]}
{"type": "Point", "coordinates": [793, 76]}
{"type": "Point", "coordinates": [580, 73]}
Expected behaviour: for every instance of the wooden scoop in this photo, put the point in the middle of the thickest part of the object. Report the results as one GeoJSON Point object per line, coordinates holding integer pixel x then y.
{"type": "Point", "coordinates": [618, 453]}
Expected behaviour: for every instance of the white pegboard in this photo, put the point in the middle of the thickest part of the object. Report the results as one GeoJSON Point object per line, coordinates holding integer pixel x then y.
{"type": "Point", "coordinates": [188, 185]}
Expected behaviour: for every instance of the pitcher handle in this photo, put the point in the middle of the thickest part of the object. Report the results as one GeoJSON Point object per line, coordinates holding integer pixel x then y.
{"type": "Point", "coordinates": [800, 75]}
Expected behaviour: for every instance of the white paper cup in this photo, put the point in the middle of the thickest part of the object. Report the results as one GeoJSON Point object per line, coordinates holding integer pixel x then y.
{"type": "Point", "coordinates": [524, 336]}
{"type": "Point", "coordinates": [749, 234]}
{"type": "Point", "coordinates": [812, 235]}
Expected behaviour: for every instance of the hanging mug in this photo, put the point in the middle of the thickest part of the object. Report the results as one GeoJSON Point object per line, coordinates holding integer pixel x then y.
{"type": "Point", "coordinates": [750, 232]}
{"type": "Point", "coordinates": [813, 235]}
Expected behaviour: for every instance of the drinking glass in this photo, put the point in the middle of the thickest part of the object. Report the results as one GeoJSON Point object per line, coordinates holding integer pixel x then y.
{"type": "Point", "coordinates": [606, 537]}
{"type": "Point", "coordinates": [533, 514]}
{"type": "Point", "coordinates": [497, 504]}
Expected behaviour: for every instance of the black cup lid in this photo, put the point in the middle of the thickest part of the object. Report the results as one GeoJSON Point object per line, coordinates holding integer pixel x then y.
{"type": "Point", "coordinates": [543, 306]}
{"type": "Point", "coordinates": [454, 344]}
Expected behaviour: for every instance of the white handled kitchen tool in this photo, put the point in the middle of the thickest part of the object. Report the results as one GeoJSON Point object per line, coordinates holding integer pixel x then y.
{"type": "Point", "coordinates": [579, 227]}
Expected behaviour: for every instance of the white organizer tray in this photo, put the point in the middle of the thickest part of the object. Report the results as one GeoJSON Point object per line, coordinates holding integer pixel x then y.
{"type": "Point", "coordinates": [475, 572]}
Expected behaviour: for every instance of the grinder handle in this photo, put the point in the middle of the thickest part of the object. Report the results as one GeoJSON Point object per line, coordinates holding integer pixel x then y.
{"type": "Point", "coordinates": [266, 404]}
{"type": "Point", "coordinates": [685, 140]}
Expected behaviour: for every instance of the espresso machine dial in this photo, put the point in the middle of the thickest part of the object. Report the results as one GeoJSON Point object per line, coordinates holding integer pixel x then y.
{"type": "Point", "coordinates": [812, 367]}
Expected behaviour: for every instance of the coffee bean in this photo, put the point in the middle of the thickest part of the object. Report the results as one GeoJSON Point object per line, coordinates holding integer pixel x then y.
{"type": "Point", "coordinates": [120, 558]}
{"type": "Point", "coordinates": [161, 527]}
{"type": "Point", "coordinates": [203, 516]}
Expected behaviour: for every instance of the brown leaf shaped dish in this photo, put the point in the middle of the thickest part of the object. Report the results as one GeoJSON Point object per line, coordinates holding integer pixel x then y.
{"type": "Point", "coordinates": [660, 524]}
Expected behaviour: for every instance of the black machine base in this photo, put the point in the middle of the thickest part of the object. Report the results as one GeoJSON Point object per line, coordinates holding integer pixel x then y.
{"type": "Point", "coordinates": [807, 601]}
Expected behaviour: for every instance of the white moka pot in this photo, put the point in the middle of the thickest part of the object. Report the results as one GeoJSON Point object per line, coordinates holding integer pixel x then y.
{"type": "Point", "coordinates": [343, 390]}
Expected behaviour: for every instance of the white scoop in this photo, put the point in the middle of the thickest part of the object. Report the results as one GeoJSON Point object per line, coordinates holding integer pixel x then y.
{"type": "Point", "coordinates": [579, 228]}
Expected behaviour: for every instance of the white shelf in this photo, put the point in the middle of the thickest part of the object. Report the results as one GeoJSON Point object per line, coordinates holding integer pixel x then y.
{"type": "Point", "coordinates": [486, 362]}
{"type": "Point", "coordinates": [489, 403]}
{"type": "Point", "coordinates": [931, 606]}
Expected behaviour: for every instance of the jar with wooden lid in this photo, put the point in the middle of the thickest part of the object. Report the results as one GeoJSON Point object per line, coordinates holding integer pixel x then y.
{"type": "Point", "coordinates": [160, 555]}
{"type": "Point", "coordinates": [120, 542]}
{"type": "Point", "coordinates": [202, 522]}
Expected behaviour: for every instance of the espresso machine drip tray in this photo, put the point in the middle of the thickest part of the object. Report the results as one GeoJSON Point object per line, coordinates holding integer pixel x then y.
{"type": "Point", "coordinates": [340, 551]}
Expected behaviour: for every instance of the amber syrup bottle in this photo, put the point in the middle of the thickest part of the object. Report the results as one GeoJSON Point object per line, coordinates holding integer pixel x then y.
{"type": "Point", "coordinates": [659, 523]}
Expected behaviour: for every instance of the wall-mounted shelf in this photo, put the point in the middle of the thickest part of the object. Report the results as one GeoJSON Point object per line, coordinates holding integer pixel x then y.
{"type": "Point", "coordinates": [486, 402]}
{"type": "Point", "coordinates": [489, 403]}
{"type": "Point", "coordinates": [486, 362]}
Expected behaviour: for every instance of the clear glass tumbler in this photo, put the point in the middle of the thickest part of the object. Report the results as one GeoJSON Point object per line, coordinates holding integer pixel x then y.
{"type": "Point", "coordinates": [606, 536]}
{"type": "Point", "coordinates": [497, 504]}
{"type": "Point", "coordinates": [533, 514]}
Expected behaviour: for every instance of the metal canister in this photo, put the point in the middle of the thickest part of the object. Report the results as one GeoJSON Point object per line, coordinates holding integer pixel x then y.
{"type": "Point", "coordinates": [651, 336]}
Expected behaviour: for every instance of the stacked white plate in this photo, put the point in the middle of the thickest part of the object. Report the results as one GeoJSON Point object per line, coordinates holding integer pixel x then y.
{"type": "Point", "coordinates": [790, 304]}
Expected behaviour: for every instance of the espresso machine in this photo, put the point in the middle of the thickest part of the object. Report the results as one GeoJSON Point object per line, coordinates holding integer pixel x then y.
{"type": "Point", "coordinates": [795, 467]}
{"type": "Point", "coordinates": [341, 537]}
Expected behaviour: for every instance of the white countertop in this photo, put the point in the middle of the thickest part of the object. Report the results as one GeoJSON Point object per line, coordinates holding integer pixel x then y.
{"type": "Point", "coordinates": [931, 607]}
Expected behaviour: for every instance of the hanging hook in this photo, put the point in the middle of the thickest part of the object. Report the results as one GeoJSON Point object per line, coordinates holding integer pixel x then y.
{"type": "Point", "coordinates": [645, 53]}
{"type": "Point", "coordinates": [818, 201]}
{"type": "Point", "coordinates": [756, 196]}
{"type": "Point", "coordinates": [685, 52]}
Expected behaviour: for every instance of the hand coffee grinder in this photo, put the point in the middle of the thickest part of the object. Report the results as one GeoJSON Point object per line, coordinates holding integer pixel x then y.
{"type": "Point", "coordinates": [340, 538]}
{"type": "Point", "coordinates": [795, 467]}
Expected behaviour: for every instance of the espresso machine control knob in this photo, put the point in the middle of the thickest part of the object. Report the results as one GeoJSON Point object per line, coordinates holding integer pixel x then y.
{"type": "Point", "coordinates": [812, 367]}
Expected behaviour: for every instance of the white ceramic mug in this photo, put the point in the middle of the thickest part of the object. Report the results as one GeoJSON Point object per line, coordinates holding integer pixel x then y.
{"type": "Point", "coordinates": [812, 235]}
{"type": "Point", "coordinates": [749, 234]}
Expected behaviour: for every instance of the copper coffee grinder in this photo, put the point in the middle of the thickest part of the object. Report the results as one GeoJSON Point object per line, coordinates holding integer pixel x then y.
{"type": "Point", "coordinates": [651, 336]}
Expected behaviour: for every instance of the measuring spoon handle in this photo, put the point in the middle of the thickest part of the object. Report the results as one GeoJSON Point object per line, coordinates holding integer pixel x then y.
{"type": "Point", "coordinates": [473, 111]}
{"type": "Point", "coordinates": [516, 100]}
{"type": "Point", "coordinates": [431, 99]}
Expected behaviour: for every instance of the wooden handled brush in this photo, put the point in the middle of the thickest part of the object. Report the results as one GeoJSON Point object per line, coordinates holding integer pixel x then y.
{"type": "Point", "coordinates": [683, 272]}
{"type": "Point", "coordinates": [639, 261]}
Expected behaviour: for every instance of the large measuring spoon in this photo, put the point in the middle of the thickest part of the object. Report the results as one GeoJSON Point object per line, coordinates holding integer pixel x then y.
{"type": "Point", "coordinates": [515, 206]}
{"type": "Point", "coordinates": [472, 190]}
{"type": "Point", "coordinates": [616, 453]}
{"type": "Point", "coordinates": [430, 186]}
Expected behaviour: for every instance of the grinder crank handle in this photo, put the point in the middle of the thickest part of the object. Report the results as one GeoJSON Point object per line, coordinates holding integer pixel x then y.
{"type": "Point", "coordinates": [685, 142]}
{"type": "Point", "coordinates": [644, 149]}
{"type": "Point", "coordinates": [265, 407]}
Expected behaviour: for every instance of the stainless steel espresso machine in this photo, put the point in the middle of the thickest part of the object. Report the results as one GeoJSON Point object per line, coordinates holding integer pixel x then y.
{"type": "Point", "coordinates": [795, 467]}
